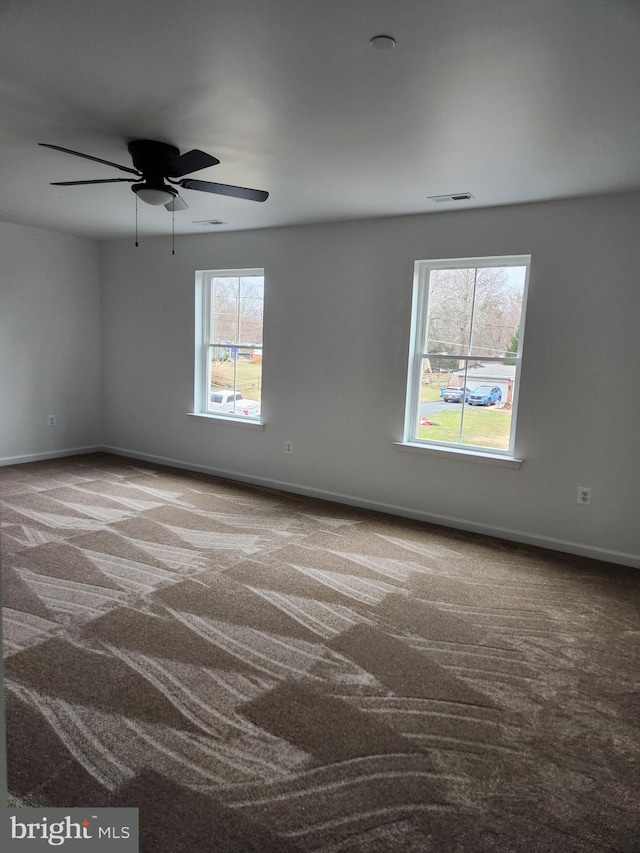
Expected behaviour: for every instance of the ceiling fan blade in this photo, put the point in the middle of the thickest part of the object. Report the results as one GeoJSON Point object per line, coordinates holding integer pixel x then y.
{"type": "Point", "coordinates": [98, 181]}
{"type": "Point", "coordinates": [224, 189]}
{"type": "Point", "coordinates": [177, 203]}
{"type": "Point", "coordinates": [89, 157]}
{"type": "Point", "coordinates": [190, 161]}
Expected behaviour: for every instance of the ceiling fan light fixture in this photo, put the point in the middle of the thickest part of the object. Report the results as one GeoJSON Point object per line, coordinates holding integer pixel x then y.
{"type": "Point", "coordinates": [155, 196]}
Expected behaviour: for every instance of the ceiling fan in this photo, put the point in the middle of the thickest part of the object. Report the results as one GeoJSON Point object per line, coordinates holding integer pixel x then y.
{"type": "Point", "coordinates": [156, 165]}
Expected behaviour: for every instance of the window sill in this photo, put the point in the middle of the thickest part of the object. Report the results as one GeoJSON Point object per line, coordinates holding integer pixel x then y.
{"type": "Point", "coordinates": [227, 419]}
{"type": "Point", "coordinates": [485, 458]}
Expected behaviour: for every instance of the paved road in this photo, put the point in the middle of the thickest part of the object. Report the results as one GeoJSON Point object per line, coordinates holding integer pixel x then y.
{"type": "Point", "coordinates": [427, 409]}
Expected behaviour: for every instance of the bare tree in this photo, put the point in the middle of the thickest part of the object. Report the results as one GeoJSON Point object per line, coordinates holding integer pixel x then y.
{"type": "Point", "coordinates": [236, 307]}
{"type": "Point", "coordinates": [472, 311]}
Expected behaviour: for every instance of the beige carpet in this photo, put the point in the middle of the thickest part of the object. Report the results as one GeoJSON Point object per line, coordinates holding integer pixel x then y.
{"type": "Point", "coordinates": [261, 672]}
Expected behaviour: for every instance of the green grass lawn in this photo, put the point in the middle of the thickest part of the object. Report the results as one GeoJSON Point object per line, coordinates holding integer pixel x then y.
{"type": "Point", "coordinates": [248, 377]}
{"type": "Point", "coordinates": [430, 393]}
{"type": "Point", "coordinates": [484, 427]}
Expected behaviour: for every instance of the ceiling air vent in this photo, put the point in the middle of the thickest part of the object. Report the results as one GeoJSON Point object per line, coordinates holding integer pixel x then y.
{"type": "Point", "coordinates": [452, 197]}
{"type": "Point", "coordinates": [209, 222]}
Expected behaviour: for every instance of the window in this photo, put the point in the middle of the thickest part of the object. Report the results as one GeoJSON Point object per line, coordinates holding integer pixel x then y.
{"type": "Point", "coordinates": [228, 371]}
{"type": "Point", "coordinates": [466, 345]}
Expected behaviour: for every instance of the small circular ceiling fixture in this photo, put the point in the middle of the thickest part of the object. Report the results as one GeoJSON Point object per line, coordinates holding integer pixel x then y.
{"type": "Point", "coordinates": [383, 42]}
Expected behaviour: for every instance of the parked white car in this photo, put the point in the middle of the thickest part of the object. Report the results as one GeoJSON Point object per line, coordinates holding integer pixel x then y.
{"type": "Point", "coordinates": [233, 403]}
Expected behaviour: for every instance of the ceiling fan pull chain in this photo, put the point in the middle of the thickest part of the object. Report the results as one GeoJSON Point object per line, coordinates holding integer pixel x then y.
{"type": "Point", "coordinates": [173, 230]}
{"type": "Point", "coordinates": [136, 221]}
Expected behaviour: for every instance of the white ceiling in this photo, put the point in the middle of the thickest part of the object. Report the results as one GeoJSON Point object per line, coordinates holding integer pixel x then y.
{"type": "Point", "coordinates": [510, 100]}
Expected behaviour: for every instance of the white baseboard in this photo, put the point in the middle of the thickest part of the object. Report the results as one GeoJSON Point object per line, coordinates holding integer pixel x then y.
{"type": "Point", "coordinates": [550, 543]}
{"type": "Point", "coordinates": [49, 454]}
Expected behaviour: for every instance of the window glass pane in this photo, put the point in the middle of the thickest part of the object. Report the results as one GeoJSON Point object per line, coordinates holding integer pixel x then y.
{"type": "Point", "coordinates": [431, 379]}
{"type": "Point", "coordinates": [235, 381]}
{"type": "Point", "coordinates": [436, 419]}
{"type": "Point", "coordinates": [458, 414]}
{"type": "Point", "coordinates": [249, 374]}
{"type": "Point", "coordinates": [439, 373]}
{"type": "Point", "coordinates": [439, 421]}
{"type": "Point", "coordinates": [224, 309]}
{"type": "Point", "coordinates": [449, 311]}
{"type": "Point", "coordinates": [497, 311]}
{"type": "Point", "coordinates": [487, 426]}
{"type": "Point", "coordinates": [250, 310]}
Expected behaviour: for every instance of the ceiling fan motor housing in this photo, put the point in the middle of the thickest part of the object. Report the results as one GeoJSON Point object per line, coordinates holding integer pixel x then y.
{"type": "Point", "coordinates": [151, 157]}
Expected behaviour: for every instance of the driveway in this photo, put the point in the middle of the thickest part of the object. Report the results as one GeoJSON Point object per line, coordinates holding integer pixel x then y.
{"type": "Point", "coordinates": [427, 409]}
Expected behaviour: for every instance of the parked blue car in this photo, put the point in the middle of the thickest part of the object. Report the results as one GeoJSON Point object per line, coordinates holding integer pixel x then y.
{"type": "Point", "coordinates": [485, 395]}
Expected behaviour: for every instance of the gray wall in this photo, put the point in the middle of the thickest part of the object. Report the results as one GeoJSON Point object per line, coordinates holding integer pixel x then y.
{"type": "Point", "coordinates": [50, 343]}
{"type": "Point", "coordinates": [336, 342]}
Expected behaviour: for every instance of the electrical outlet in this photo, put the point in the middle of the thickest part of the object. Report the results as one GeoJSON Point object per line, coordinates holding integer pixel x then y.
{"type": "Point", "coordinates": [584, 495]}
{"type": "Point", "coordinates": [288, 447]}
{"type": "Point", "coordinates": [51, 420]}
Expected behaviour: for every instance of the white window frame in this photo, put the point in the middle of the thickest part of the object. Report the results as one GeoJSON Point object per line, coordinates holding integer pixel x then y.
{"type": "Point", "coordinates": [203, 340]}
{"type": "Point", "coordinates": [417, 352]}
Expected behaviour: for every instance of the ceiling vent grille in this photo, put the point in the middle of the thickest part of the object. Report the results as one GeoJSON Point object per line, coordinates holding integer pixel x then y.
{"type": "Point", "coordinates": [453, 197]}
{"type": "Point", "coordinates": [209, 222]}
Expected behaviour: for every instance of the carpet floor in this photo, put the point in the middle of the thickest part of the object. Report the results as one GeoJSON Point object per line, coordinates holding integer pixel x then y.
{"type": "Point", "coordinates": [257, 671]}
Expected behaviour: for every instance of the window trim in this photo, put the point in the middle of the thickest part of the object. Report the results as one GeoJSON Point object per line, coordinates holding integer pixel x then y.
{"type": "Point", "coordinates": [222, 418]}
{"type": "Point", "coordinates": [202, 314]}
{"type": "Point", "coordinates": [410, 441]}
{"type": "Point", "coordinates": [459, 452]}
